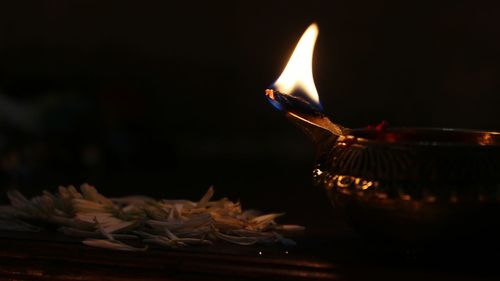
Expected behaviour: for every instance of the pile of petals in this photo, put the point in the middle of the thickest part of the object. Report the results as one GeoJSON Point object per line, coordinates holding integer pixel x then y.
{"type": "Point", "coordinates": [115, 223]}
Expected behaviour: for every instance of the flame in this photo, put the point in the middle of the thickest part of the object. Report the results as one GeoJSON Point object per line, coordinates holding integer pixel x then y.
{"type": "Point", "coordinates": [297, 77]}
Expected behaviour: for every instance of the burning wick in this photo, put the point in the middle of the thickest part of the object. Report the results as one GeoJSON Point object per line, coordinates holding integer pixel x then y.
{"type": "Point", "coordinates": [289, 103]}
{"type": "Point", "coordinates": [295, 92]}
{"type": "Point", "coordinates": [270, 94]}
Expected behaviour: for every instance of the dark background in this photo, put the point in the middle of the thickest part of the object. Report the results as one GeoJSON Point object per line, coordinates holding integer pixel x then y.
{"type": "Point", "coordinates": [165, 98]}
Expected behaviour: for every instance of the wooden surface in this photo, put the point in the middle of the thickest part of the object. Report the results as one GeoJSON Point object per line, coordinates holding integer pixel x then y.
{"type": "Point", "coordinates": [46, 257]}
{"type": "Point", "coordinates": [49, 256]}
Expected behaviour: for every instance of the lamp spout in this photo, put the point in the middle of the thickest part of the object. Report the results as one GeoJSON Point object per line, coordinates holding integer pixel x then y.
{"type": "Point", "coordinates": [307, 117]}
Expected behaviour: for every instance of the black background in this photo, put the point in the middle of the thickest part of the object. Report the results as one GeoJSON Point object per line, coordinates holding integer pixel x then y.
{"type": "Point", "coordinates": [165, 98]}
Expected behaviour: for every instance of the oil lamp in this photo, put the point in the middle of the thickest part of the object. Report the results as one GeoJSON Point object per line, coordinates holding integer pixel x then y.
{"type": "Point", "coordinates": [402, 184]}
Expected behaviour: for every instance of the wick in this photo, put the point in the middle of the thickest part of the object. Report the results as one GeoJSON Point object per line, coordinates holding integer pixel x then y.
{"type": "Point", "coordinates": [270, 94]}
